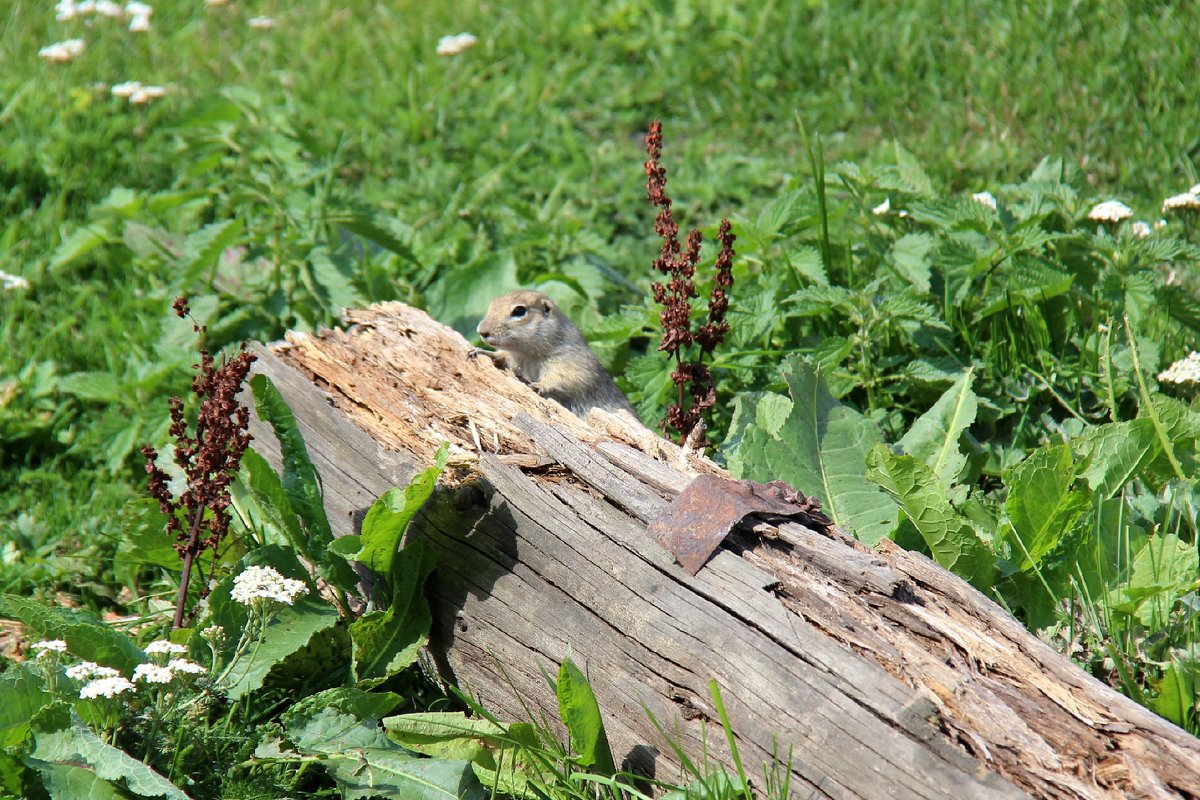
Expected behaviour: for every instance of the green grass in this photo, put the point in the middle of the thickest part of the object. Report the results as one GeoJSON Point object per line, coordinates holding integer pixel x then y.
{"type": "Point", "coordinates": [518, 161]}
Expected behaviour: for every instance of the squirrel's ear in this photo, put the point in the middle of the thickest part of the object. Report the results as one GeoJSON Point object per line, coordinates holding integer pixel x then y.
{"type": "Point", "coordinates": [547, 306]}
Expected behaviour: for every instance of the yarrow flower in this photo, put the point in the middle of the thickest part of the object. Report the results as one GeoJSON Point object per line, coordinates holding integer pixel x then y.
{"type": "Point", "coordinates": [152, 673]}
{"type": "Point", "coordinates": [1189, 201]}
{"type": "Point", "coordinates": [453, 45]}
{"type": "Point", "coordinates": [86, 670]}
{"type": "Point", "coordinates": [1139, 229]}
{"type": "Point", "coordinates": [265, 583]}
{"type": "Point", "coordinates": [105, 687]}
{"type": "Point", "coordinates": [1110, 211]}
{"type": "Point", "coordinates": [185, 666]}
{"type": "Point", "coordinates": [261, 23]}
{"type": "Point", "coordinates": [50, 646]}
{"type": "Point", "coordinates": [985, 199]}
{"type": "Point", "coordinates": [213, 634]}
{"type": "Point", "coordinates": [62, 52]}
{"type": "Point", "coordinates": [161, 646]}
{"type": "Point", "coordinates": [1185, 370]}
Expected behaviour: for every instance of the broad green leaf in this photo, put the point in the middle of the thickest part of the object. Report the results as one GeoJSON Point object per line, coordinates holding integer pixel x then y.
{"type": "Point", "coordinates": [87, 637]}
{"type": "Point", "coordinates": [821, 450]}
{"type": "Point", "coordinates": [388, 518]}
{"type": "Point", "coordinates": [22, 693]}
{"type": "Point", "coordinates": [78, 244]}
{"type": "Point", "coordinates": [910, 256]}
{"type": "Point", "coordinates": [202, 248]}
{"type": "Point", "coordinates": [365, 763]}
{"type": "Point", "coordinates": [301, 483]}
{"type": "Point", "coordinates": [101, 387]}
{"type": "Point", "coordinates": [346, 700]}
{"type": "Point", "coordinates": [581, 714]}
{"type": "Point", "coordinates": [1176, 698]}
{"type": "Point", "coordinates": [290, 630]}
{"type": "Point", "coordinates": [75, 763]}
{"type": "Point", "coordinates": [363, 226]}
{"type": "Point", "coordinates": [386, 642]}
{"type": "Point", "coordinates": [1163, 569]}
{"type": "Point", "coordinates": [499, 755]}
{"type": "Point", "coordinates": [951, 537]}
{"type": "Point", "coordinates": [267, 505]}
{"type": "Point", "coordinates": [934, 436]}
{"type": "Point", "coordinates": [1042, 504]}
{"type": "Point", "coordinates": [1114, 454]}
{"type": "Point", "coordinates": [807, 261]}
{"type": "Point", "coordinates": [912, 175]}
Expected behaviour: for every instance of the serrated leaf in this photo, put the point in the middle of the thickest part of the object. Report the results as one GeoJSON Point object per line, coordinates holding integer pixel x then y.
{"type": "Point", "coordinates": [363, 226]}
{"type": "Point", "coordinates": [78, 244]}
{"type": "Point", "coordinates": [1042, 505]}
{"type": "Point", "coordinates": [934, 436]}
{"type": "Point", "coordinates": [102, 387]}
{"type": "Point", "coordinates": [821, 450]}
{"type": "Point", "coordinates": [1114, 454]}
{"type": "Point", "coordinates": [581, 714]}
{"type": "Point", "coordinates": [912, 174]}
{"type": "Point", "coordinates": [952, 538]}
{"type": "Point", "coordinates": [74, 762]}
{"type": "Point", "coordinates": [807, 261]}
{"type": "Point", "coordinates": [202, 248]}
{"type": "Point", "coordinates": [910, 257]}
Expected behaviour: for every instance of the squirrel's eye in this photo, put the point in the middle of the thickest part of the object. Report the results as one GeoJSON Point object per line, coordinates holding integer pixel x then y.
{"type": "Point", "coordinates": [518, 312]}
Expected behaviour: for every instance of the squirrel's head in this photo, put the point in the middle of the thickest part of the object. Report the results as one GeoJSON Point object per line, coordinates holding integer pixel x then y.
{"type": "Point", "coordinates": [517, 318]}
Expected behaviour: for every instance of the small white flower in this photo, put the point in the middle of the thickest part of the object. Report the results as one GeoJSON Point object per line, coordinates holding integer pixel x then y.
{"type": "Point", "coordinates": [160, 646]}
{"type": "Point", "coordinates": [214, 634]}
{"type": "Point", "coordinates": [87, 7]}
{"type": "Point", "coordinates": [65, 10]}
{"type": "Point", "coordinates": [136, 9]}
{"type": "Point", "coordinates": [1139, 229]}
{"type": "Point", "coordinates": [1185, 370]}
{"type": "Point", "coordinates": [12, 281]}
{"type": "Point", "coordinates": [882, 208]}
{"type": "Point", "coordinates": [126, 89]}
{"type": "Point", "coordinates": [50, 646]}
{"type": "Point", "coordinates": [453, 45]}
{"type": "Point", "coordinates": [266, 583]}
{"type": "Point", "coordinates": [62, 52]}
{"type": "Point", "coordinates": [140, 23]}
{"type": "Point", "coordinates": [152, 673]}
{"type": "Point", "coordinates": [185, 666]}
{"type": "Point", "coordinates": [1110, 211]}
{"type": "Point", "coordinates": [86, 670]}
{"type": "Point", "coordinates": [107, 8]}
{"type": "Point", "coordinates": [261, 23]}
{"type": "Point", "coordinates": [145, 94]}
{"type": "Point", "coordinates": [1187, 200]}
{"type": "Point", "coordinates": [985, 199]}
{"type": "Point", "coordinates": [105, 687]}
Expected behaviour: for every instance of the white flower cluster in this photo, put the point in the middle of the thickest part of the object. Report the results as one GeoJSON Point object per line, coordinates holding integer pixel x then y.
{"type": "Point", "coordinates": [261, 23]}
{"type": "Point", "coordinates": [1110, 211]}
{"type": "Point", "coordinates": [453, 45]}
{"type": "Point", "coordinates": [105, 687]}
{"type": "Point", "coordinates": [87, 670]}
{"type": "Point", "coordinates": [1185, 370]}
{"type": "Point", "coordinates": [152, 673]}
{"type": "Point", "coordinates": [49, 646]}
{"type": "Point", "coordinates": [62, 52]}
{"type": "Point", "coordinates": [985, 199]}
{"type": "Point", "coordinates": [186, 666]}
{"type": "Point", "coordinates": [1187, 201]}
{"type": "Point", "coordinates": [137, 13]}
{"type": "Point", "coordinates": [137, 93]}
{"type": "Point", "coordinates": [162, 646]}
{"type": "Point", "coordinates": [265, 583]}
{"type": "Point", "coordinates": [1139, 229]}
{"type": "Point", "coordinates": [12, 281]}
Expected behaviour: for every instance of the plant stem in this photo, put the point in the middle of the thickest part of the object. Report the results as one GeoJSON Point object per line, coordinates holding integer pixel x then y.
{"type": "Point", "coordinates": [188, 556]}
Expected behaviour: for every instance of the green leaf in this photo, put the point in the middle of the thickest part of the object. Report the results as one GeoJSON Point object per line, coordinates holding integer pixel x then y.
{"type": "Point", "coordinates": [821, 450]}
{"type": "Point", "coordinates": [910, 256]}
{"type": "Point", "coordinates": [1176, 698]}
{"type": "Point", "coordinates": [87, 637]}
{"type": "Point", "coordinates": [290, 630]}
{"type": "Point", "coordinates": [202, 248]}
{"type": "Point", "coordinates": [101, 387]}
{"type": "Point", "coordinates": [365, 763]}
{"type": "Point", "coordinates": [499, 756]}
{"type": "Point", "coordinates": [22, 693]}
{"type": "Point", "coordinates": [934, 436]}
{"type": "Point", "coordinates": [388, 518]}
{"type": "Point", "coordinates": [266, 505]}
{"type": "Point", "coordinates": [953, 539]}
{"type": "Point", "coordinates": [301, 483]}
{"type": "Point", "coordinates": [460, 297]}
{"type": "Point", "coordinates": [78, 244]}
{"type": "Point", "coordinates": [1042, 504]}
{"type": "Point", "coordinates": [386, 642]}
{"type": "Point", "coordinates": [346, 700]}
{"type": "Point", "coordinates": [75, 763]}
{"type": "Point", "coordinates": [913, 177]}
{"type": "Point", "coordinates": [363, 226]}
{"type": "Point", "coordinates": [1114, 454]}
{"type": "Point", "coordinates": [581, 714]}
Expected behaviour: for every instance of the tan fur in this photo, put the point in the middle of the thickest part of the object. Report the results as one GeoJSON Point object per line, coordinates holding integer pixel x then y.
{"type": "Point", "coordinates": [543, 348]}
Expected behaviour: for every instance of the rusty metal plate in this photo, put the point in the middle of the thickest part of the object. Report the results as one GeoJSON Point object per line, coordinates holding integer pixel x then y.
{"type": "Point", "coordinates": [693, 526]}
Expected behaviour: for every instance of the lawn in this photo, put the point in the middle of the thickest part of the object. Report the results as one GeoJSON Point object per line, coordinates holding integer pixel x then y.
{"type": "Point", "coordinates": [306, 157]}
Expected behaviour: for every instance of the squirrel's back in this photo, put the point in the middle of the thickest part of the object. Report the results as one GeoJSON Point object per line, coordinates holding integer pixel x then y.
{"type": "Point", "coordinates": [548, 352]}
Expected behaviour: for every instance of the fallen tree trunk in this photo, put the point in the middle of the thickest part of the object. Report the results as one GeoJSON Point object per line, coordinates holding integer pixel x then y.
{"type": "Point", "coordinates": [879, 673]}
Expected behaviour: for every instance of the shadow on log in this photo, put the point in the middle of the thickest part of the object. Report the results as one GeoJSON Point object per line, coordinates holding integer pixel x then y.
{"type": "Point", "coordinates": [882, 675]}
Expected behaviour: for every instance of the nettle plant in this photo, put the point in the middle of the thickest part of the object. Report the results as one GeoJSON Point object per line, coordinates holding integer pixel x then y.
{"type": "Point", "coordinates": [974, 377]}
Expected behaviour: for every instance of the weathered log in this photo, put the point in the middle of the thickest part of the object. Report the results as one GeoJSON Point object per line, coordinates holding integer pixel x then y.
{"type": "Point", "coordinates": [880, 674]}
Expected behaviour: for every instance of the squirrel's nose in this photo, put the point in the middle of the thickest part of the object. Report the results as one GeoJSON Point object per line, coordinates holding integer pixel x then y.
{"type": "Point", "coordinates": [483, 330]}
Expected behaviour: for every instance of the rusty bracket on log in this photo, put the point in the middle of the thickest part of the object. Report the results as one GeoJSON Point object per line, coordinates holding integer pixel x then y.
{"type": "Point", "coordinates": [704, 513]}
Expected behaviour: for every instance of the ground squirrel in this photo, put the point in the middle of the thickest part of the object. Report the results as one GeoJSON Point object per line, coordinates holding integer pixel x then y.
{"type": "Point", "coordinates": [545, 350]}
